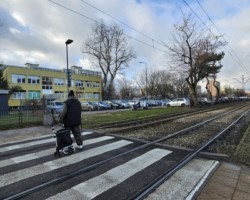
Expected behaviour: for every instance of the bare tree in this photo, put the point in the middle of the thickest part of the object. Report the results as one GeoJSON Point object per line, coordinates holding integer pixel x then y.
{"type": "Point", "coordinates": [109, 47]}
{"type": "Point", "coordinates": [163, 83]}
{"type": "Point", "coordinates": [180, 85]}
{"type": "Point", "coordinates": [190, 52]}
{"type": "Point", "coordinates": [126, 89]}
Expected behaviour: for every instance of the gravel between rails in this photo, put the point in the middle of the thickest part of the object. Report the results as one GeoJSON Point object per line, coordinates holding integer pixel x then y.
{"type": "Point", "coordinates": [225, 145]}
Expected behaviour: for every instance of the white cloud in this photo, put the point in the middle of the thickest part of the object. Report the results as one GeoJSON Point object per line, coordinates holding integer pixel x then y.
{"type": "Point", "coordinates": [19, 18]}
{"type": "Point", "coordinates": [37, 30]}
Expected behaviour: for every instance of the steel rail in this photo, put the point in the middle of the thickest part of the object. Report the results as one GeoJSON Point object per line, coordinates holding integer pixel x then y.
{"type": "Point", "coordinates": [154, 122]}
{"type": "Point", "coordinates": [151, 187]}
{"type": "Point", "coordinates": [77, 172]}
{"type": "Point", "coordinates": [128, 122]}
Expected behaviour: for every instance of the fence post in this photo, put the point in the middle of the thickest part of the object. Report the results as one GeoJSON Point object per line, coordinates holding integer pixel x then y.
{"type": "Point", "coordinates": [20, 116]}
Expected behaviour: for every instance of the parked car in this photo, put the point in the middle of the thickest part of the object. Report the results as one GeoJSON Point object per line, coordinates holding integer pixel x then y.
{"type": "Point", "coordinates": [89, 106]}
{"type": "Point", "coordinates": [125, 104]}
{"type": "Point", "coordinates": [122, 103]}
{"type": "Point", "coordinates": [205, 101]}
{"type": "Point", "coordinates": [55, 107]}
{"type": "Point", "coordinates": [164, 102]}
{"type": "Point", "coordinates": [142, 104]}
{"type": "Point", "coordinates": [118, 103]}
{"type": "Point", "coordinates": [179, 102]}
{"type": "Point", "coordinates": [132, 102]}
{"type": "Point", "coordinates": [152, 102]}
{"type": "Point", "coordinates": [104, 105]}
{"type": "Point", "coordinates": [113, 105]}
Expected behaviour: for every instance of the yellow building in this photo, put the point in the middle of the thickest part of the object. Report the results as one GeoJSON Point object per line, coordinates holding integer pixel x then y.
{"type": "Point", "coordinates": [42, 83]}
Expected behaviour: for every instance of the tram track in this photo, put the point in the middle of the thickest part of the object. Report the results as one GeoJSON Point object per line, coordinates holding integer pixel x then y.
{"type": "Point", "coordinates": [161, 179]}
{"type": "Point", "coordinates": [163, 175]}
{"type": "Point", "coordinates": [147, 122]}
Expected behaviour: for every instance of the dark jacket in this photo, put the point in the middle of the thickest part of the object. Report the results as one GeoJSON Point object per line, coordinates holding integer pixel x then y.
{"type": "Point", "coordinates": [71, 114]}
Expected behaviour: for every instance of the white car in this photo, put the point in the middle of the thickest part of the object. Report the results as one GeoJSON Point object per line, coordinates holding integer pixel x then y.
{"type": "Point", "coordinates": [179, 102]}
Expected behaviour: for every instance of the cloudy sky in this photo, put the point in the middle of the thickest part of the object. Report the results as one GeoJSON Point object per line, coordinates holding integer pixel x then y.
{"type": "Point", "coordinates": [35, 31]}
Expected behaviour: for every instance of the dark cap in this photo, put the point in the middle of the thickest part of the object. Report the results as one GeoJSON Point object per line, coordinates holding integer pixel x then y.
{"type": "Point", "coordinates": [71, 93]}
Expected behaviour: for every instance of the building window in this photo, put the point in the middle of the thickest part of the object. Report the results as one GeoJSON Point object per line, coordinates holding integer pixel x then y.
{"type": "Point", "coordinates": [80, 95]}
{"type": "Point", "coordinates": [60, 94]}
{"type": "Point", "coordinates": [88, 84]}
{"type": "Point", "coordinates": [59, 81]}
{"type": "Point", "coordinates": [79, 83]}
{"type": "Point", "coordinates": [19, 95]}
{"type": "Point", "coordinates": [34, 94]}
{"type": "Point", "coordinates": [17, 78]}
{"type": "Point", "coordinates": [96, 84]}
{"type": "Point", "coordinates": [47, 83]}
{"type": "Point", "coordinates": [33, 80]}
{"type": "Point", "coordinates": [88, 95]}
{"type": "Point", "coordinates": [96, 96]}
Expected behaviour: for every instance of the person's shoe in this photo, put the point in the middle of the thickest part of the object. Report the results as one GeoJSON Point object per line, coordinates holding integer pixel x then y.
{"type": "Point", "coordinates": [80, 147]}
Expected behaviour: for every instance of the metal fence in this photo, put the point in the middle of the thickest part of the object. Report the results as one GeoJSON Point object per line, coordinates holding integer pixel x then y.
{"type": "Point", "coordinates": [30, 112]}
{"type": "Point", "coordinates": [20, 118]}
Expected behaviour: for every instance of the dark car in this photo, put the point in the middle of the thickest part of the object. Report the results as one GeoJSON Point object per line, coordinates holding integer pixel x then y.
{"type": "Point", "coordinates": [118, 103]}
{"type": "Point", "coordinates": [104, 105]}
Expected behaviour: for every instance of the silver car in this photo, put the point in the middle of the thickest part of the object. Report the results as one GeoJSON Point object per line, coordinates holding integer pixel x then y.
{"type": "Point", "coordinates": [55, 107]}
{"type": "Point", "coordinates": [179, 102]}
{"type": "Point", "coordinates": [89, 106]}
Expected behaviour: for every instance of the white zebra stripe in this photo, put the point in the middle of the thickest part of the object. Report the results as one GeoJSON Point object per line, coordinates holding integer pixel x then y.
{"type": "Point", "coordinates": [13, 177]}
{"type": "Point", "coordinates": [29, 144]}
{"type": "Point", "coordinates": [192, 176]}
{"type": "Point", "coordinates": [47, 152]}
{"type": "Point", "coordinates": [95, 186]}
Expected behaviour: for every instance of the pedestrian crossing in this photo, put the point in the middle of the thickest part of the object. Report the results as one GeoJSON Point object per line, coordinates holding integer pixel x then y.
{"type": "Point", "coordinates": [47, 152]}
{"type": "Point", "coordinates": [110, 177]}
{"type": "Point", "coordinates": [93, 187]}
{"type": "Point", "coordinates": [12, 177]}
{"type": "Point", "coordinates": [33, 143]}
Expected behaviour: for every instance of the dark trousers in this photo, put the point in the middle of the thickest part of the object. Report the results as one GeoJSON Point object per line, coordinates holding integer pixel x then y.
{"type": "Point", "coordinates": [76, 131]}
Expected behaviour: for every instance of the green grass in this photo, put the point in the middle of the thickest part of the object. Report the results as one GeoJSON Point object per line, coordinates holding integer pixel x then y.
{"type": "Point", "coordinates": [98, 119]}
{"type": "Point", "coordinates": [242, 153]}
{"type": "Point", "coordinates": [17, 119]}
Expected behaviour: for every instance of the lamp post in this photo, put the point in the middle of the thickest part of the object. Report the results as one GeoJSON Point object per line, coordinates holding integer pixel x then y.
{"type": "Point", "coordinates": [69, 41]}
{"type": "Point", "coordinates": [146, 77]}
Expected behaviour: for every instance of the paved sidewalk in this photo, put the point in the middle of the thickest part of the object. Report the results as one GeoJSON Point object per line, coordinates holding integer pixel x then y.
{"type": "Point", "coordinates": [25, 133]}
{"type": "Point", "coordinates": [229, 182]}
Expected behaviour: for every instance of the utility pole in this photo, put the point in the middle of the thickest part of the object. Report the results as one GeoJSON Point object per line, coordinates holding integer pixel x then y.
{"type": "Point", "coordinates": [146, 68]}
{"type": "Point", "coordinates": [242, 82]}
{"type": "Point", "coordinates": [68, 72]}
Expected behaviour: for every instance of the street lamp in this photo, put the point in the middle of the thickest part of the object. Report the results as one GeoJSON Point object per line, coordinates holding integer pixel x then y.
{"type": "Point", "coordinates": [69, 41]}
{"type": "Point", "coordinates": [146, 77]}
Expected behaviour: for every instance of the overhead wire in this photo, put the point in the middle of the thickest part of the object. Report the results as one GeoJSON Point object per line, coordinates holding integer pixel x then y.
{"type": "Point", "coordinates": [241, 63]}
{"type": "Point", "coordinates": [231, 53]}
{"type": "Point", "coordinates": [82, 15]}
{"type": "Point", "coordinates": [123, 23]}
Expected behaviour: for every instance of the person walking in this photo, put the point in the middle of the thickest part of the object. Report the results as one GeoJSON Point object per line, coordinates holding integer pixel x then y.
{"type": "Point", "coordinates": [71, 117]}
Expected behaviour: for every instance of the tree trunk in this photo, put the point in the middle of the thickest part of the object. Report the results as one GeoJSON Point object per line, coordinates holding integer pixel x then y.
{"type": "Point", "coordinates": [209, 94]}
{"type": "Point", "coordinates": [192, 91]}
{"type": "Point", "coordinates": [217, 90]}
